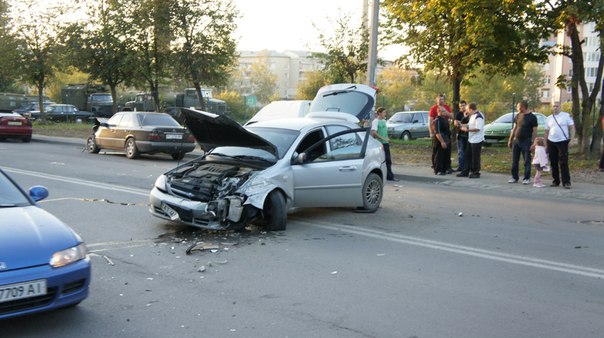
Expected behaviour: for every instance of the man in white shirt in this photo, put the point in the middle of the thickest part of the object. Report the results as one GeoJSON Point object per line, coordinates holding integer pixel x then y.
{"type": "Point", "coordinates": [475, 129]}
{"type": "Point", "coordinates": [559, 132]}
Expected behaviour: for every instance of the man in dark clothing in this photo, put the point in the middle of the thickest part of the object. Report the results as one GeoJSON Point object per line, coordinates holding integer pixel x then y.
{"type": "Point", "coordinates": [523, 133]}
{"type": "Point", "coordinates": [442, 136]}
{"type": "Point", "coordinates": [440, 108]}
{"type": "Point", "coordinates": [461, 118]}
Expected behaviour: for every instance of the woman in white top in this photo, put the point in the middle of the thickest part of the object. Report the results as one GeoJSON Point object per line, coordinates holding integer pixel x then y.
{"type": "Point", "coordinates": [559, 132]}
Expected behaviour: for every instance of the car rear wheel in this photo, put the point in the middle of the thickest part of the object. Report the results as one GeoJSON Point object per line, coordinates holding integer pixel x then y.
{"type": "Point", "coordinates": [178, 156]}
{"type": "Point", "coordinates": [406, 136]}
{"type": "Point", "coordinates": [275, 213]}
{"type": "Point", "coordinates": [131, 149]}
{"type": "Point", "coordinates": [373, 190]}
{"type": "Point", "coordinates": [27, 139]}
{"type": "Point", "coordinates": [91, 145]}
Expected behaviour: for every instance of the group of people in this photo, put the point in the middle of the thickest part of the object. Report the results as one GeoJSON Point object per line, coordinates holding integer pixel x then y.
{"type": "Point", "coordinates": [550, 151]}
{"type": "Point", "coordinates": [469, 122]}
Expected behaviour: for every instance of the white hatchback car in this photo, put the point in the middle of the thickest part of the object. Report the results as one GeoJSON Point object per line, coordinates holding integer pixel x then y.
{"type": "Point", "coordinates": [255, 174]}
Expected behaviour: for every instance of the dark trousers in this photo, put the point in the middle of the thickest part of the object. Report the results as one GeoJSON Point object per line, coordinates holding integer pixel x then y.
{"type": "Point", "coordinates": [462, 143]}
{"type": "Point", "coordinates": [521, 147]}
{"type": "Point", "coordinates": [445, 154]}
{"type": "Point", "coordinates": [558, 159]}
{"type": "Point", "coordinates": [602, 159]}
{"type": "Point", "coordinates": [472, 156]}
{"type": "Point", "coordinates": [389, 174]}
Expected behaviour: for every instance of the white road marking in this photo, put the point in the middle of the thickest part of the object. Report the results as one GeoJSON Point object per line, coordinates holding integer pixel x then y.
{"type": "Point", "coordinates": [463, 250]}
{"type": "Point", "coordinates": [392, 237]}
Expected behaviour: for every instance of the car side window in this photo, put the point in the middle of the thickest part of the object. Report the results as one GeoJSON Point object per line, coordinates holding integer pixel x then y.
{"type": "Point", "coordinates": [344, 147]}
{"type": "Point", "coordinates": [425, 115]}
{"type": "Point", "coordinates": [114, 120]}
{"type": "Point", "coordinates": [126, 121]}
{"type": "Point", "coordinates": [310, 139]}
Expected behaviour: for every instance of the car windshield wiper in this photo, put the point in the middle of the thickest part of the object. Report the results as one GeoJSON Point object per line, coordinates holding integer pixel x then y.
{"type": "Point", "coordinates": [340, 91]}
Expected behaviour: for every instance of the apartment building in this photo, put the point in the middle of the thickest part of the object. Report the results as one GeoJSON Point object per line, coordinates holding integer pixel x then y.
{"type": "Point", "coordinates": [562, 65]}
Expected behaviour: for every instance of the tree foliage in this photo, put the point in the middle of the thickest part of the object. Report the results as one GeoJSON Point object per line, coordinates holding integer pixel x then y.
{"type": "Point", "coordinates": [456, 36]}
{"type": "Point", "coordinates": [309, 87]}
{"type": "Point", "coordinates": [203, 48]}
{"type": "Point", "coordinates": [397, 88]}
{"type": "Point", "coordinates": [8, 51]}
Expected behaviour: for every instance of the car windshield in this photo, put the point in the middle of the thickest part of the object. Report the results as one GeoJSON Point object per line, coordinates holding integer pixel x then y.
{"type": "Point", "coordinates": [507, 118]}
{"type": "Point", "coordinates": [102, 98]}
{"type": "Point", "coordinates": [352, 102]}
{"type": "Point", "coordinates": [281, 138]}
{"type": "Point", "coordinates": [10, 195]}
{"type": "Point", "coordinates": [401, 118]}
{"type": "Point", "coordinates": [157, 120]}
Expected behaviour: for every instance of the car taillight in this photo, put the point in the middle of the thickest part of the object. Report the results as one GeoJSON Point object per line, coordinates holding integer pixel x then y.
{"type": "Point", "coordinates": [154, 136]}
{"type": "Point", "coordinates": [190, 138]}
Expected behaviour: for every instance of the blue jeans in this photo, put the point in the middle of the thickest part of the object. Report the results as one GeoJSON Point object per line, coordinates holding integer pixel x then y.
{"type": "Point", "coordinates": [462, 143]}
{"type": "Point", "coordinates": [521, 147]}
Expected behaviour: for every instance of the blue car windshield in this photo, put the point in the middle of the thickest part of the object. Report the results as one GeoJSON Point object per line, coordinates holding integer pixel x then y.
{"type": "Point", "coordinates": [10, 195]}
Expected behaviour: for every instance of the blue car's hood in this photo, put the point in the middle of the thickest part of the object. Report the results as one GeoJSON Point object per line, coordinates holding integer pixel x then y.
{"type": "Point", "coordinates": [29, 236]}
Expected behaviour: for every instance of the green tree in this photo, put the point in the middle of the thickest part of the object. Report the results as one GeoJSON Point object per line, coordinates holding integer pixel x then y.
{"type": "Point", "coordinates": [397, 87]}
{"type": "Point", "coordinates": [263, 81]}
{"type": "Point", "coordinates": [101, 50]}
{"type": "Point", "coordinates": [203, 48]}
{"type": "Point", "coordinates": [456, 36]}
{"type": "Point", "coordinates": [311, 84]}
{"type": "Point", "coordinates": [569, 14]}
{"type": "Point", "coordinates": [36, 32]}
{"type": "Point", "coordinates": [8, 52]}
{"type": "Point", "coordinates": [347, 51]}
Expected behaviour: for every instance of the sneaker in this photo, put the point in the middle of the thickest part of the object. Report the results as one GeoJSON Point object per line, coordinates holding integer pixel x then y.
{"type": "Point", "coordinates": [566, 185]}
{"type": "Point", "coordinates": [442, 173]}
{"type": "Point", "coordinates": [474, 175]}
{"type": "Point", "coordinates": [539, 185]}
{"type": "Point", "coordinates": [512, 180]}
{"type": "Point", "coordinates": [555, 184]}
{"type": "Point", "coordinates": [462, 175]}
{"type": "Point", "coordinates": [526, 181]}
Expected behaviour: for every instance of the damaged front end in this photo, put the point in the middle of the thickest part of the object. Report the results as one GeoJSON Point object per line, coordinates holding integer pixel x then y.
{"type": "Point", "coordinates": [210, 195]}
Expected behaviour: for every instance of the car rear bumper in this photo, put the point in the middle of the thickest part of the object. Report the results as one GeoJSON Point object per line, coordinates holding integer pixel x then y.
{"type": "Point", "coordinates": [15, 131]}
{"type": "Point", "coordinates": [164, 147]}
{"type": "Point", "coordinates": [66, 286]}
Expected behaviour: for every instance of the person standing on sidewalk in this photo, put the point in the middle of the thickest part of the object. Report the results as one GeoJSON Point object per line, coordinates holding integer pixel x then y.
{"type": "Point", "coordinates": [475, 130]}
{"type": "Point", "coordinates": [380, 132]}
{"type": "Point", "coordinates": [439, 108]}
{"type": "Point", "coordinates": [443, 148]}
{"type": "Point", "coordinates": [540, 161]}
{"type": "Point", "coordinates": [461, 118]}
{"type": "Point", "coordinates": [559, 133]}
{"type": "Point", "coordinates": [521, 138]}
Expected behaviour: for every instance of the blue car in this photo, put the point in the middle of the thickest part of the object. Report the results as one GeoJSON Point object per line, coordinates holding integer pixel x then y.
{"type": "Point", "coordinates": [43, 263]}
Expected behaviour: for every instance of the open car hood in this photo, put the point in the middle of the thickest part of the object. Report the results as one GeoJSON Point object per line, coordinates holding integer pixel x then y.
{"type": "Point", "coordinates": [213, 130]}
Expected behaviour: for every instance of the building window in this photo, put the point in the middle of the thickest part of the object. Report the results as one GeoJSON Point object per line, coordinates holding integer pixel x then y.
{"type": "Point", "coordinates": [545, 94]}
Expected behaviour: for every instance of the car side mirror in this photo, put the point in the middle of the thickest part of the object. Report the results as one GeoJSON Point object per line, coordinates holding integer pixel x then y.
{"type": "Point", "coordinates": [38, 193]}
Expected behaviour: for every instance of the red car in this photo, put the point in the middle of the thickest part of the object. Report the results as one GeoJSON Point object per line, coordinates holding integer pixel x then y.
{"type": "Point", "coordinates": [13, 125]}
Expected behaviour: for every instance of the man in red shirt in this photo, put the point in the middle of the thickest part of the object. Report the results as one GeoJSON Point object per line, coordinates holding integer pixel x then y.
{"type": "Point", "coordinates": [445, 111]}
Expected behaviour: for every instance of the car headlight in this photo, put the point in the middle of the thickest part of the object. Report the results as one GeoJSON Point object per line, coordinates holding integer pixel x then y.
{"type": "Point", "coordinates": [160, 182]}
{"type": "Point", "coordinates": [68, 256]}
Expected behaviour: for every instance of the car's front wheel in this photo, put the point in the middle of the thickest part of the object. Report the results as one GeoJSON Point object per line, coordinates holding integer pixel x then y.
{"type": "Point", "coordinates": [131, 149]}
{"type": "Point", "coordinates": [275, 212]}
{"type": "Point", "coordinates": [406, 136]}
{"type": "Point", "coordinates": [91, 146]}
{"type": "Point", "coordinates": [373, 190]}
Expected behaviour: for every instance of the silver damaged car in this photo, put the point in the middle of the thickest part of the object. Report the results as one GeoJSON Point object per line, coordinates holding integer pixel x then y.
{"type": "Point", "coordinates": [256, 174]}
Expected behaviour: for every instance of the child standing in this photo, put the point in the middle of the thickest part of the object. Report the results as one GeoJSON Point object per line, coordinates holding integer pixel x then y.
{"type": "Point", "coordinates": [540, 161]}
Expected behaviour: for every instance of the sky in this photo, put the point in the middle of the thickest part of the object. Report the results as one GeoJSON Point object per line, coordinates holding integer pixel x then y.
{"type": "Point", "coordinates": [288, 25]}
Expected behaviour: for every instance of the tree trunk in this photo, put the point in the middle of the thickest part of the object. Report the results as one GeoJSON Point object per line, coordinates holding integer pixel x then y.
{"type": "Point", "coordinates": [202, 101]}
{"type": "Point", "coordinates": [113, 89]}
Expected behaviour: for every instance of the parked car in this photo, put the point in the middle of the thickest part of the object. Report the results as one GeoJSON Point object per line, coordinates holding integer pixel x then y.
{"type": "Point", "coordinates": [32, 106]}
{"type": "Point", "coordinates": [141, 132]}
{"type": "Point", "coordinates": [500, 129]}
{"type": "Point", "coordinates": [62, 113]}
{"type": "Point", "coordinates": [280, 110]}
{"type": "Point", "coordinates": [43, 262]}
{"type": "Point", "coordinates": [13, 125]}
{"type": "Point", "coordinates": [407, 125]}
{"type": "Point", "coordinates": [256, 173]}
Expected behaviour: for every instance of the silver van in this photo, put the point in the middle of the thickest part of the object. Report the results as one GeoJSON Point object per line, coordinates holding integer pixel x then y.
{"type": "Point", "coordinates": [407, 125]}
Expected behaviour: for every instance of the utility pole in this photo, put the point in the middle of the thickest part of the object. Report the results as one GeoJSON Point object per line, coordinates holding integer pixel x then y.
{"type": "Point", "coordinates": [372, 61]}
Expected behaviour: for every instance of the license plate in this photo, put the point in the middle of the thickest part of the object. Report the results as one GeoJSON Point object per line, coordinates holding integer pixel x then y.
{"type": "Point", "coordinates": [170, 212]}
{"type": "Point", "coordinates": [22, 290]}
{"type": "Point", "coordinates": [14, 123]}
{"type": "Point", "coordinates": [173, 136]}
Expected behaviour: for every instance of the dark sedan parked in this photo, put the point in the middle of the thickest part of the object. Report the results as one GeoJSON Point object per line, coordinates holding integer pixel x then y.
{"type": "Point", "coordinates": [62, 113]}
{"type": "Point", "coordinates": [141, 132]}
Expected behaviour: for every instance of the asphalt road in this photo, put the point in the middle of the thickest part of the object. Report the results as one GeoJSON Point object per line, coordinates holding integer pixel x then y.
{"type": "Point", "coordinates": [441, 258]}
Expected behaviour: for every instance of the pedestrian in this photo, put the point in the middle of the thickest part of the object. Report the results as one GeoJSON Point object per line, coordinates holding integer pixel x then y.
{"type": "Point", "coordinates": [461, 118]}
{"type": "Point", "coordinates": [475, 130]}
{"type": "Point", "coordinates": [380, 132]}
{"type": "Point", "coordinates": [521, 138]}
{"type": "Point", "coordinates": [540, 161]}
{"type": "Point", "coordinates": [559, 133]}
{"type": "Point", "coordinates": [434, 112]}
{"type": "Point", "coordinates": [442, 134]}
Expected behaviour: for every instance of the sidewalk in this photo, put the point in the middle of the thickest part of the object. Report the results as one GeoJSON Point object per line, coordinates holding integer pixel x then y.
{"type": "Point", "coordinates": [497, 182]}
{"type": "Point", "coordinates": [414, 173]}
